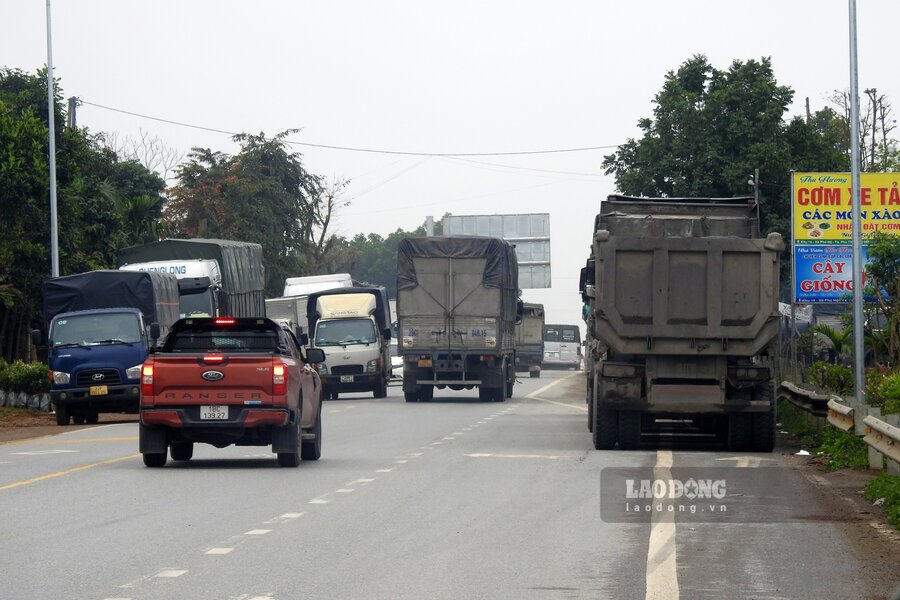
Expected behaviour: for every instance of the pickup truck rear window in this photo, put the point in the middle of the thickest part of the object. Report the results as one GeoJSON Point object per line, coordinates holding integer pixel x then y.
{"type": "Point", "coordinates": [205, 336]}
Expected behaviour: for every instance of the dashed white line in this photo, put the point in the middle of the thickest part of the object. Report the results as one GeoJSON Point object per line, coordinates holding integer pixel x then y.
{"type": "Point", "coordinates": [319, 501]}
{"type": "Point", "coordinates": [292, 515]}
{"type": "Point", "coordinates": [344, 491]}
{"type": "Point", "coordinates": [402, 461]}
{"type": "Point", "coordinates": [258, 532]}
{"type": "Point", "coordinates": [171, 573]}
{"type": "Point", "coordinates": [384, 470]}
{"type": "Point", "coordinates": [219, 551]}
{"type": "Point", "coordinates": [662, 568]}
{"type": "Point", "coordinates": [355, 481]}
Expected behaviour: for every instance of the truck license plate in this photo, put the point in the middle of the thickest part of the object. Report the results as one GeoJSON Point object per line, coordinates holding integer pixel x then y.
{"type": "Point", "coordinates": [99, 390]}
{"type": "Point", "coordinates": [346, 378]}
{"type": "Point", "coordinates": [213, 412]}
{"type": "Point", "coordinates": [424, 362]}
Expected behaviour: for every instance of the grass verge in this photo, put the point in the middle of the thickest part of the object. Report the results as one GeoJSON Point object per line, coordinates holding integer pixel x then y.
{"type": "Point", "coordinates": [886, 487]}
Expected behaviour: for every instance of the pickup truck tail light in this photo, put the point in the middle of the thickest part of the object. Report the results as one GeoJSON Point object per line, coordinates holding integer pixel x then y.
{"type": "Point", "coordinates": [147, 380]}
{"type": "Point", "coordinates": [279, 379]}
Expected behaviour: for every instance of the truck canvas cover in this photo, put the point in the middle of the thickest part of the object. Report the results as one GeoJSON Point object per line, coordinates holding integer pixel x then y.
{"type": "Point", "coordinates": [241, 264]}
{"type": "Point", "coordinates": [154, 294]}
{"type": "Point", "coordinates": [501, 269]}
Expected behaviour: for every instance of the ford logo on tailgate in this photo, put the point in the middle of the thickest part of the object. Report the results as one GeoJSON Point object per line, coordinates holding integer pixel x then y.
{"type": "Point", "coordinates": [213, 375]}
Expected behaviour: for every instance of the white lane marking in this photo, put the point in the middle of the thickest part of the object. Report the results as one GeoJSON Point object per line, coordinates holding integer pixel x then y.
{"type": "Point", "coordinates": [548, 456]}
{"type": "Point", "coordinates": [355, 481]}
{"type": "Point", "coordinates": [266, 597]}
{"type": "Point", "coordinates": [747, 461]}
{"type": "Point", "coordinates": [117, 599]}
{"type": "Point", "coordinates": [467, 429]}
{"type": "Point", "coordinates": [292, 515]}
{"type": "Point", "coordinates": [219, 551]}
{"type": "Point", "coordinates": [319, 501]}
{"type": "Point", "coordinates": [384, 470]}
{"type": "Point", "coordinates": [171, 573]}
{"type": "Point", "coordinates": [401, 462]}
{"type": "Point", "coordinates": [436, 443]}
{"type": "Point", "coordinates": [42, 452]}
{"type": "Point", "coordinates": [414, 454]}
{"type": "Point", "coordinates": [662, 567]}
{"type": "Point", "coordinates": [458, 433]}
{"type": "Point", "coordinates": [533, 395]}
{"type": "Point", "coordinates": [258, 532]}
{"type": "Point", "coordinates": [572, 406]}
{"type": "Point", "coordinates": [449, 437]}
{"type": "Point", "coordinates": [344, 491]}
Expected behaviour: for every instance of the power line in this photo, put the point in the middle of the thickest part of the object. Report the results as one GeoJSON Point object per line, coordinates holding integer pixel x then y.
{"type": "Point", "coordinates": [351, 148]}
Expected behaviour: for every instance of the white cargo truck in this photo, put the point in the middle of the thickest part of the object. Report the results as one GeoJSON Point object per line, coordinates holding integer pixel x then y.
{"type": "Point", "coordinates": [353, 327]}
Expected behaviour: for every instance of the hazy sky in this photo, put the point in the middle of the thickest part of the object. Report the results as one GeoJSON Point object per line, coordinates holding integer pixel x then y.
{"type": "Point", "coordinates": [435, 77]}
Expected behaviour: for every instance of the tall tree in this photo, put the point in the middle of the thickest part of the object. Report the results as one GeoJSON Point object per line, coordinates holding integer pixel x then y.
{"type": "Point", "coordinates": [262, 194]}
{"type": "Point", "coordinates": [711, 128]}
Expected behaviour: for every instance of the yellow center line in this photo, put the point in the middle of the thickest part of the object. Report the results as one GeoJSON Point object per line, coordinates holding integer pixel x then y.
{"type": "Point", "coordinates": [10, 486]}
{"type": "Point", "coordinates": [41, 441]}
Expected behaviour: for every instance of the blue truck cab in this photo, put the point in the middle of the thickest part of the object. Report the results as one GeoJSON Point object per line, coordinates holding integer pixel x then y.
{"type": "Point", "coordinates": [98, 328]}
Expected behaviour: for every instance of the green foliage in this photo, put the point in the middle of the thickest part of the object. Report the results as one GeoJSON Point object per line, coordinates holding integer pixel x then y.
{"type": "Point", "coordinates": [19, 376]}
{"type": "Point", "coordinates": [798, 423]}
{"type": "Point", "coordinates": [883, 390]}
{"type": "Point", "coordinates": [883, 274]}
{"type": "Point", "coordinates": [843, 450]}
{"type": "Point", "coordinates": [887, 487]}
{"type": "Point", "coordinates": [833, 378]}
{"type": "Point", "coordinates": [840, 340]}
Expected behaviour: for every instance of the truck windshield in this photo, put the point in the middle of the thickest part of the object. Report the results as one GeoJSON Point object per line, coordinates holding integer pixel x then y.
{"type": "Point", "coordinates": [196, 305]}
{"type": "Point", "coordinates": [95, 329]}
{"type": "Point", "coordinates": [345, 331]}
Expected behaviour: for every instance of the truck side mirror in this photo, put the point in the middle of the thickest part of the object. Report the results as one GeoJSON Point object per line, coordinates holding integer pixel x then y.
{"type": "Point", "coordinates": [154, 332]}
{"type": "Point", "coordinates": [304, 340]}
{"type": "Point", "coordinates": [315, 355]}
{"type": "Point", "coordinates": [37, 338]}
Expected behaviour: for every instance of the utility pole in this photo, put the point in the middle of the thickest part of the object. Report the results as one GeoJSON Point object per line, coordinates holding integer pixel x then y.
{"type": "Point", "coordinates": [72, 120]}
{"type": "Point", "coordinates": [858, 339]}
{"type": "Point", "coordinates": [51, 131]}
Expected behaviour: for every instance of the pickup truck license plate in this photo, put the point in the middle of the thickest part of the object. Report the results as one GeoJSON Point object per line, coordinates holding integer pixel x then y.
{"type": "Point", "coordinates": [99, 390]}
{"type": "Point", "coordinates": [346, 378]}
{"type": "Point", "coordinates": [213, 412]}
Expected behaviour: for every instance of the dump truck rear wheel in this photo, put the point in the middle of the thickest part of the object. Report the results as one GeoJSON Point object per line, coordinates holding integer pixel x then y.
{"type": "Point", "coordinates": [605, 428]}
{"type": "Point", "coordinates": [629, 429]}
{"type": "Point", "coordinates": [411, 396]}
{"type": "Point", "coordinates": [426, 393]}
{"type": "Point", "coordinates": [740, 428]}
{"type": "Point", "coordinates": [764, 423]}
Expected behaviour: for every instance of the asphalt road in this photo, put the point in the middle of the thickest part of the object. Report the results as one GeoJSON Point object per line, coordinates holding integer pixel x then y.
{"type": "Point", "coordinates": [448, 499]}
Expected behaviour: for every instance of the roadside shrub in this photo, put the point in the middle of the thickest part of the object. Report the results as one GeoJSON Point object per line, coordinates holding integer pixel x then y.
{"type": "Point", "coordinates": [19, 376]}
{"type": "Point", "coordinates": [843, 449]}
{"type": "Point", "coordinates": [887, 487]}
{"type": "Point", "coordinates": [837, 379]}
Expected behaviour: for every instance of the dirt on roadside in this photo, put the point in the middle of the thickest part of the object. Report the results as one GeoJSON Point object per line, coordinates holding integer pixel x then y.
{"type": "Point", "coordinates": [21, 424]}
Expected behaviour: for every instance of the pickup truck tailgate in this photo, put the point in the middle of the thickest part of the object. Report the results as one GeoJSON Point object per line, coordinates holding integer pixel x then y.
{"type": "Point", "coordinates": [203, 379]}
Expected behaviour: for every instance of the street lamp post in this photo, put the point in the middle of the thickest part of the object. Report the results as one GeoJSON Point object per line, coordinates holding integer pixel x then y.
{"type": "Point", "coordinates": [51, 134]}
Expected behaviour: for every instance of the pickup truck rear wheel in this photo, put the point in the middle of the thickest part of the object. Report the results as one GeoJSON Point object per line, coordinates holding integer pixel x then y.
{"type": "Point", "coordinates": [62, 414]}
{"type": "Point", "coordinates": [154, 459]}
{"type": "Point", "coordinates": [181, 450]}
{"type": "Point", "coordinates": [291, 458]}
{"type": "Point", "coordinates": [312, 449]}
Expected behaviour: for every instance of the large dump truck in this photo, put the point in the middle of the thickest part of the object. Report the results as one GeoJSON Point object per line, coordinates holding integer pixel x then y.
{"type": "Point", "coordinates": [457, 307]}
{"type": "Point", "coordinates": [684, 311]}
{"type": "Point", "coordinates": [530, 339]}
{"type": "Point", "coordinates": [216, 277]}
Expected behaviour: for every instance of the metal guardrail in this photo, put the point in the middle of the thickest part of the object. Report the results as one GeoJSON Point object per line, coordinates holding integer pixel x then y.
{"type": "Point", "coordinates": [882, 434]}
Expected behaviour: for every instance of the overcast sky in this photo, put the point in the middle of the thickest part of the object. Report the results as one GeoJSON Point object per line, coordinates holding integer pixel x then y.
{"type": "Point", "coordinates": [435, 77]}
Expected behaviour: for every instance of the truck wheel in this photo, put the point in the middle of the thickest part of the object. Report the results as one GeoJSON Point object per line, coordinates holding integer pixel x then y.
{"type": "Point", "coordinates": [154, 459]}
{"type": "Point", "coordinates": [740, 428]}
{"type": "Point", "coordinates": [426, 393]}
{"type": "Point", "coordinates": [533, 374]}
{"type": "Point", "coordinates": [312, 449]}
{"type": "Point", "coordinates": [764, 423]}
{"type": "Point", "coordinates": [509, 389]}
{"type": "Point", "coordinates": [181, 450]}
{"type": "Point", "coordinates": [92, 417]}
{"type": "Point", "coordinates": [380, 390]}
{"type": "Point", "coordinates": [629, 429]}
{"type": "Point", "coordinates": [484, 394]}
{"type": "Point", "coordinates": [590, 409]}
{"type": "Point", "coordinates": [606, 428]}
{"type": "Point", "coordinates": [79, 419]}
{"type": "Point", "coordinates": [411, 396]}
{"type": "Point", "coordinates": [62, 414]}
{"type": "Point", "coordinates": [291, 458]}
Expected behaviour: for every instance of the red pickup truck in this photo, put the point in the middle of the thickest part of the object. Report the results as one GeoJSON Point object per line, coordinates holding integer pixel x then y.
{"type": "Point", "coordinates": [225, 381]}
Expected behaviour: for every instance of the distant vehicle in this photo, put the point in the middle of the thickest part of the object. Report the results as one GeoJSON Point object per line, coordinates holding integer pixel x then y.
{"type": "Point", "coordinates": [457, 308]}
{"type": "Point", "coordinates": [292, 305]}
{"type": "Point", "coordinates": [215, 277]}
{"type": "Point", "coordinates": [562, 346]}
{"type": "Point", "coordinates": [530, 339]}
{"type": "Point", "coordinates": [304, 286]}
{"type": "Point", "coordinates": [98, 335]}
{"type": "Point", "coordinates": [224, 381]}
{"type": "Point", "coordinates": [396, 362]}
{"type": "Point", "coordinates": [352, 325]}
